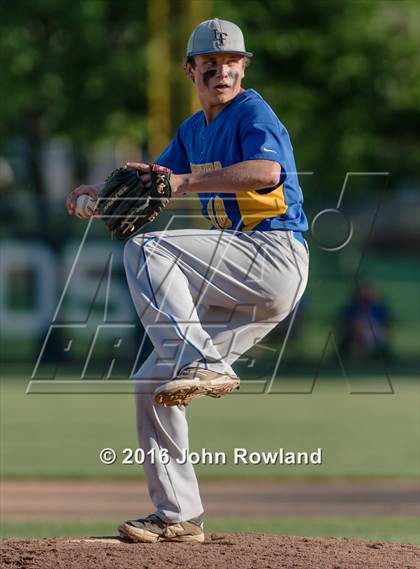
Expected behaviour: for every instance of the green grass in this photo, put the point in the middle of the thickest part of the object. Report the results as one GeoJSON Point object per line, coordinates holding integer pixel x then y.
{"type": "Point", "coordinates": [361, 435]}
{"type": "Point", "coordinates": [403, 530]}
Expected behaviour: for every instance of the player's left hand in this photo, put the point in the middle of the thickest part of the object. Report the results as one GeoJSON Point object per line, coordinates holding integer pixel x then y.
{"type": "Point", "coordinates": [141, 167]}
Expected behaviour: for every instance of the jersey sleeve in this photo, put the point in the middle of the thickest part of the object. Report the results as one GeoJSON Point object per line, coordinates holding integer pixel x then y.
{"type": "Point", "coordinates": [266, 141]}
{"type": "Point", "coordinates": [175, 156]}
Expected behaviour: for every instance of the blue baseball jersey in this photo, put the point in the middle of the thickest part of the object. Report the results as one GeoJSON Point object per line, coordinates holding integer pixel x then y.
{"type": "Point", "coordinates": [246, 129]}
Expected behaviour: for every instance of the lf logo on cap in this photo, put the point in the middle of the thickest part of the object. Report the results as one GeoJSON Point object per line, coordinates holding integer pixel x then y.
{"type": "Point", "coordinates": [219, 39]}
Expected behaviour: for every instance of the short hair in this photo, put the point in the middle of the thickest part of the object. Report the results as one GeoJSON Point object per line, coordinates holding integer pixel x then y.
{"type": "Point", "coordinates": [190, 60]}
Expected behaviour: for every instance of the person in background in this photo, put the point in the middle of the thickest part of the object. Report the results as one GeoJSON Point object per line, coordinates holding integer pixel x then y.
{"type": "Point", "coordinates": [364, 325]}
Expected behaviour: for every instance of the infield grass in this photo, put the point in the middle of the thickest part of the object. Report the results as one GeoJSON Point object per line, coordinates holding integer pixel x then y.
{"type": "Point", "coordinates": [361, 435]}
{"type": "Point", "coordinates": [403, 530]}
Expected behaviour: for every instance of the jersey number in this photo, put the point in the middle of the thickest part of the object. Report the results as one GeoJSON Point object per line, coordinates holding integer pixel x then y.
{"type": "Point", "coordinates": [217, 213]}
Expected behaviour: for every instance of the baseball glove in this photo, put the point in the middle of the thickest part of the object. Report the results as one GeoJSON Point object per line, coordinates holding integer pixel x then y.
{"type": "Point", "coordinates": [126, 204]}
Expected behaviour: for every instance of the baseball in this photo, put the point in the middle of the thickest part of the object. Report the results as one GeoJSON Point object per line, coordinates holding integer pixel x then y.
{"type": "Point", "coordinates": [85, 206]}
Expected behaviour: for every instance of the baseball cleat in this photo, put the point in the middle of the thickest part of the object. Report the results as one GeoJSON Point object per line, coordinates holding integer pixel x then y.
{"type": "Point", "coordinates": [152, 529]}
{"type": "Point", "coordinates": [193, 383]}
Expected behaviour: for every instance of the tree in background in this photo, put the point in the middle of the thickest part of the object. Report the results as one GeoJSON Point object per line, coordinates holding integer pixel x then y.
{"type": "Point", "coordinates": [70, 69]}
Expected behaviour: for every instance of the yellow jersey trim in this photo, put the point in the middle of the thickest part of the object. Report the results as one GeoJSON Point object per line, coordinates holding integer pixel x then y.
{"type": "Point", "coordinates": [255, 207]}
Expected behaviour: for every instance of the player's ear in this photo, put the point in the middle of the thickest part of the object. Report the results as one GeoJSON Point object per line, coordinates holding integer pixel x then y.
{"type": "Point", "coordinates": [188, 68]}
{"type": "Point", "coordinates": [245, 63]}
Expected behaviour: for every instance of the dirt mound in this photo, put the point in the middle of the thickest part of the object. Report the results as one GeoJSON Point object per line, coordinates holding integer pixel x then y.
{"type": "Point", "coordinates": [236, 551]}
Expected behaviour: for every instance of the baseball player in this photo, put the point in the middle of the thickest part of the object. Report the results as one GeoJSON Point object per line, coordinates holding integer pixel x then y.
{"type": "Point", "coordinates": [206, 296]}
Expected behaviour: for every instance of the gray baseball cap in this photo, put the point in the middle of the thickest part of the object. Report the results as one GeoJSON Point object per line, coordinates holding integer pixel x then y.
{"type": "Point", "coordinates": [216, 36]}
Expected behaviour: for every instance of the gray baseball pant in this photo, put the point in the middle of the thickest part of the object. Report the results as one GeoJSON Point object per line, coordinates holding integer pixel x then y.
{"type": "Point", "coordinates": [204, 297]}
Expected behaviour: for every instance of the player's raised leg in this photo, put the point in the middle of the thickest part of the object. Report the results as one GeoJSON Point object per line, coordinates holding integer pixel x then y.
{"type": "Point", "coordinates": [239, 278]}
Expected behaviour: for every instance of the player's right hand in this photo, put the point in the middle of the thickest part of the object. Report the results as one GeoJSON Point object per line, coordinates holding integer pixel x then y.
{"type": "Point", "coordinates": [91, 190]}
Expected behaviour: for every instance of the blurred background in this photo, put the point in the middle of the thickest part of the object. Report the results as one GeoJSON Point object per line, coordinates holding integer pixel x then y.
{"type": "Point", "coordinates": [89, 84]}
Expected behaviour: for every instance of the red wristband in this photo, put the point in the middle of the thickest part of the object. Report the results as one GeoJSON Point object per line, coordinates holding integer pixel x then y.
{"type": "Point", "coordinates": [158, 168]}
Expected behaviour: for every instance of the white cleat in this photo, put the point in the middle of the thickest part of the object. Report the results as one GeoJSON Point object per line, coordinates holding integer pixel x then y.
{"type": "Point", "coordinates": [193, 383]}
{"type": "Point", "coordinates": [152, 529]}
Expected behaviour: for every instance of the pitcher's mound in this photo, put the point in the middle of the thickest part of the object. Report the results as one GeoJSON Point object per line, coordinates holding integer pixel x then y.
{"type": "Point", "coordinates": [235, 551]}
